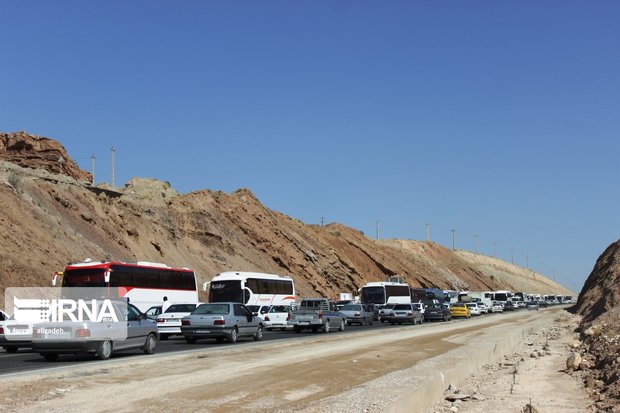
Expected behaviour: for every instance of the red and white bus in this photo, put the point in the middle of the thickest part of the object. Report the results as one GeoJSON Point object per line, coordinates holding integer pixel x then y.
{"type": "Point", "coordinates": [144, 284]}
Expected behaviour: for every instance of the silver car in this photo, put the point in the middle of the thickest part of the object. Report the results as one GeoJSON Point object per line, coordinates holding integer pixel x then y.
{"type": "Point", "coordinates": [357, 313]}
{"type": "Point", "coordinates": [221, 321]}
{"type": "Point", "coordinates": [133, 330]}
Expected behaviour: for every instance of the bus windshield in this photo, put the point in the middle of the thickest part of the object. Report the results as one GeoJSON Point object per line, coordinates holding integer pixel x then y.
{"type": "Point", "coordinates": [88, 277]}
{"type": "Point", "coordinates": [223, 291]}
{"type": "Point", "coordinates": [373, 295]}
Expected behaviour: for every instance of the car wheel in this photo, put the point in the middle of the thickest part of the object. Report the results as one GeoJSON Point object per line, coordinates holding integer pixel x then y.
{"type": "Point", "coordinates": [163, 337]}
{"type": "Point", "coordinates": [326, 327]}
{"type": "Point", "coordinates": [258, 336]}
{"type": "Point", "coordinates": [104, 350]}
{"type": "Point", "coordinates": [150, 344]}
{"type": "Point", "coordinates": [341, 328]}
{"type": "Point", "coordinates": [50, 356]}
{"type": "Point", "coordinates": [190, 340]}
{"type": "Point", "coordinates": [232, 338]}
{"type": "Point", "coordinates": [11, 349]}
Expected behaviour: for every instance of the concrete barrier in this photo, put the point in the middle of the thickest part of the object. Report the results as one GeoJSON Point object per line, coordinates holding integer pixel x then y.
{"type": "Point", "coordinates": [462, 362]}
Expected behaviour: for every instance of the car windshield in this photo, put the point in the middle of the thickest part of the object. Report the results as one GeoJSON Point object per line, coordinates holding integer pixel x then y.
{"type": "Point", "coordinates": [180, 308]}
{"type": "Point", "coordinates": [351, 307]}
{"type": "Point", "coordinates": [211, 309]}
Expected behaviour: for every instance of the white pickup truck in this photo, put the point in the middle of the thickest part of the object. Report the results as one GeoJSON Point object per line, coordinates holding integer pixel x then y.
{"type": "Point", "coordinates": [317, 314]}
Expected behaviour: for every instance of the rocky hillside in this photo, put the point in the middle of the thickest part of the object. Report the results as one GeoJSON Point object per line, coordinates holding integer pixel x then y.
{"type": "Point", "coordinates": [599, 304]}
{"type": "Point", "coordinates": [51, 215]}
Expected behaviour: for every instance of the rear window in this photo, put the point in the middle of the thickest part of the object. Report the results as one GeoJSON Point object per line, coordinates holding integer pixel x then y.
{"type": "Point", "coordinates": [402, 307]}
{"type": "Point", "coordinates": [280, 309]}
{"type": "Point", "coordinates": [180, 308]}
{"type": "Point", "coordinates": [351, 307]}
{"type": "Point", "coordinates": [211, 309]}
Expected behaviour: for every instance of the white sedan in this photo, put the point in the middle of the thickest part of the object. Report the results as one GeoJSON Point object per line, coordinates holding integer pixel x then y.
{"type": "Point", "coordinates": [169, 322]}
{"type": "Point", "coordinates": [473, 308]}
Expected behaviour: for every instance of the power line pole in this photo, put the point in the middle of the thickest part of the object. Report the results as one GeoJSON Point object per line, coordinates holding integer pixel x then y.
{"type": "Point", "coordinates": [512, 257]}
{"type": "Point", "coordinates": [453, 232]}
{"type": "Point", "coordinates": [113, 182]}
{"type": "Point", "coordinates": [428, 232]}
{"type": "Point", "coordinates": [322, 221]}
{"type": "Point", "coordinates": [377, 228]}
{"type": "Point", "coordinates": [92, 169]}
{"type": "Point", "coordinates": [475, 244]}
{"type": "Point", "coordinates": [527, 262]}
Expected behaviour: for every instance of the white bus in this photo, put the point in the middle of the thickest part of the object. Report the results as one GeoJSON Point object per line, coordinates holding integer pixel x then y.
{"type": "Point", "coordinates": [501, 295]}
{"type": "Point", "coordinates": [143, 284]}
{"type": "Point", "coordinates": [382, 293]}
{"type": "Point", "coordinates": [251, 288]}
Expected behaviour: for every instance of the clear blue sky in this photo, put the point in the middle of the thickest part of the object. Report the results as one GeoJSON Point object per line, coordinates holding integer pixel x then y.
{"type": "Point", "coordinates": [493, 118]}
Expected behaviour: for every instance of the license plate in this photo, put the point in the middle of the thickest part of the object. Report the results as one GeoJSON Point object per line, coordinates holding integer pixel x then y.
{"type": "Point", "coordinates": [173, 320]}
{"type": "Point", "coordinates": [304, 322]}
{"type": "Point", "coordinates": [203, 331]}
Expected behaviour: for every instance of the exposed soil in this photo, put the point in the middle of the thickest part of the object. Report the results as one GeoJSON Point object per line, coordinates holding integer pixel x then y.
{"type": "Point", "coordinates": [366, 371]}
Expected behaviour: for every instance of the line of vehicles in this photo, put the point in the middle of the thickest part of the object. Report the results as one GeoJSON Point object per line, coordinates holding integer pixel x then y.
{"type": "Point", "coordinates": [153, 301]}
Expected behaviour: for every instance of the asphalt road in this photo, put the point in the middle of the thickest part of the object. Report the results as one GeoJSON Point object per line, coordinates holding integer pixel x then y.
{"type": "Point", "coordinates": [26, 360]}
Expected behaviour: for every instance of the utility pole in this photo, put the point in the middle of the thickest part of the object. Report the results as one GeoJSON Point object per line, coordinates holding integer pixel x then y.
{"type": "Point", "coordinates": [113, 182]}
{"type": "Point", "coordinates": [322, 221]}
{"type": "Point", "coordinates": [377, 228]}
{"type": "Point", "coordinates": [475, 244]}
{"type": "Point", "coordinates": [453, 232]}
{"type": "Point", "coordinates": [495, 250]}
{"type": "Point", "coordinates": [92, 169]}
{"type": "Point", "coordinates": [512, 257]}
{"type": "Point", "coordinates": [428, 232]}
{"type": "Point", "coordinates": [527, 262]}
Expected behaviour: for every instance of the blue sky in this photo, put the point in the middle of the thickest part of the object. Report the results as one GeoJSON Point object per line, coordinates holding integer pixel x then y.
{"type": "Point", "coordinates": [497, 119]}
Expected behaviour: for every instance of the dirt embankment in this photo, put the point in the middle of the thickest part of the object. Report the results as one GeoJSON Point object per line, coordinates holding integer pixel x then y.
{"type": "Point", "coordinates": [599, 347]}
{"type": "Point", "coordinates": [53, 216]}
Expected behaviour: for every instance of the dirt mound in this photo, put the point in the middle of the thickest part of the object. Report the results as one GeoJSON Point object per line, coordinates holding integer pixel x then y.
{"type": "Point", "coordinates": [36, 152]}
{"type": "Point", "coordinates": [599, 303]}
{"type": "Point", "coordinates": [151, 189]}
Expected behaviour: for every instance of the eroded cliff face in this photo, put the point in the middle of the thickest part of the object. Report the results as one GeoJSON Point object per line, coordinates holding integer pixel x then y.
{"type": "Point", "coordinates": [601, 291]}
{"type": "Point", "coordinates": [50, 218]}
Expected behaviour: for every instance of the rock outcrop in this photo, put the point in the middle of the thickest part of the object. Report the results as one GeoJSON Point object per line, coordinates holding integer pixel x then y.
{"type": "Point", "coordinates": [36, 152]}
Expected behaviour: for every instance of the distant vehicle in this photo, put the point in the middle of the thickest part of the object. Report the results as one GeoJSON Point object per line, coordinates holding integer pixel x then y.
{"type": "Point", "coordinates": [221, 321]}
{"type": "Point", "coordinates": [484, 309]}
{"type": "Point", "coordinates": [342, 303]}
{"type": "Point", "coordinates": [502, 296]}
{"type": "Point", "coordinates": [100, 338]}
{"type": "Point", "coordinates": [459, 310]}
{"type": "Point", "coordinates": [384, 313]}
{"type": "Point", "coordinates": [143, 284]}
{"type": "Point", "coordinates": [259, 310]}
{"type": "Point", "coordinates": [278, 317]}
{"type": "Point", "coordinates": [153, 312]}
{"type": "Point", "coordinates": [251, 288]}
{"type": "Point", "coordinates": [497, 307]}
{"type": "Point", "coordinates": [169, 322]}
{"type": "Point", "coordinates": [473, 308]}
{"type": "Point", "coordinates": [532, 305]}
{"type": "Point", "coordinates": [19, 335]}
{"type": "Point", "coordinates": [317, 314]}
{"type": "Point", "coordinates": [437, 312]}
{"type": "Point", "coordinates": [405, 313]}
{"type": "Point", "coordinates": [382, 293]}
{"type": "Point", "coordinates": [357, 314]}
{"type": "Point", "coordinates": [509, 306]}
